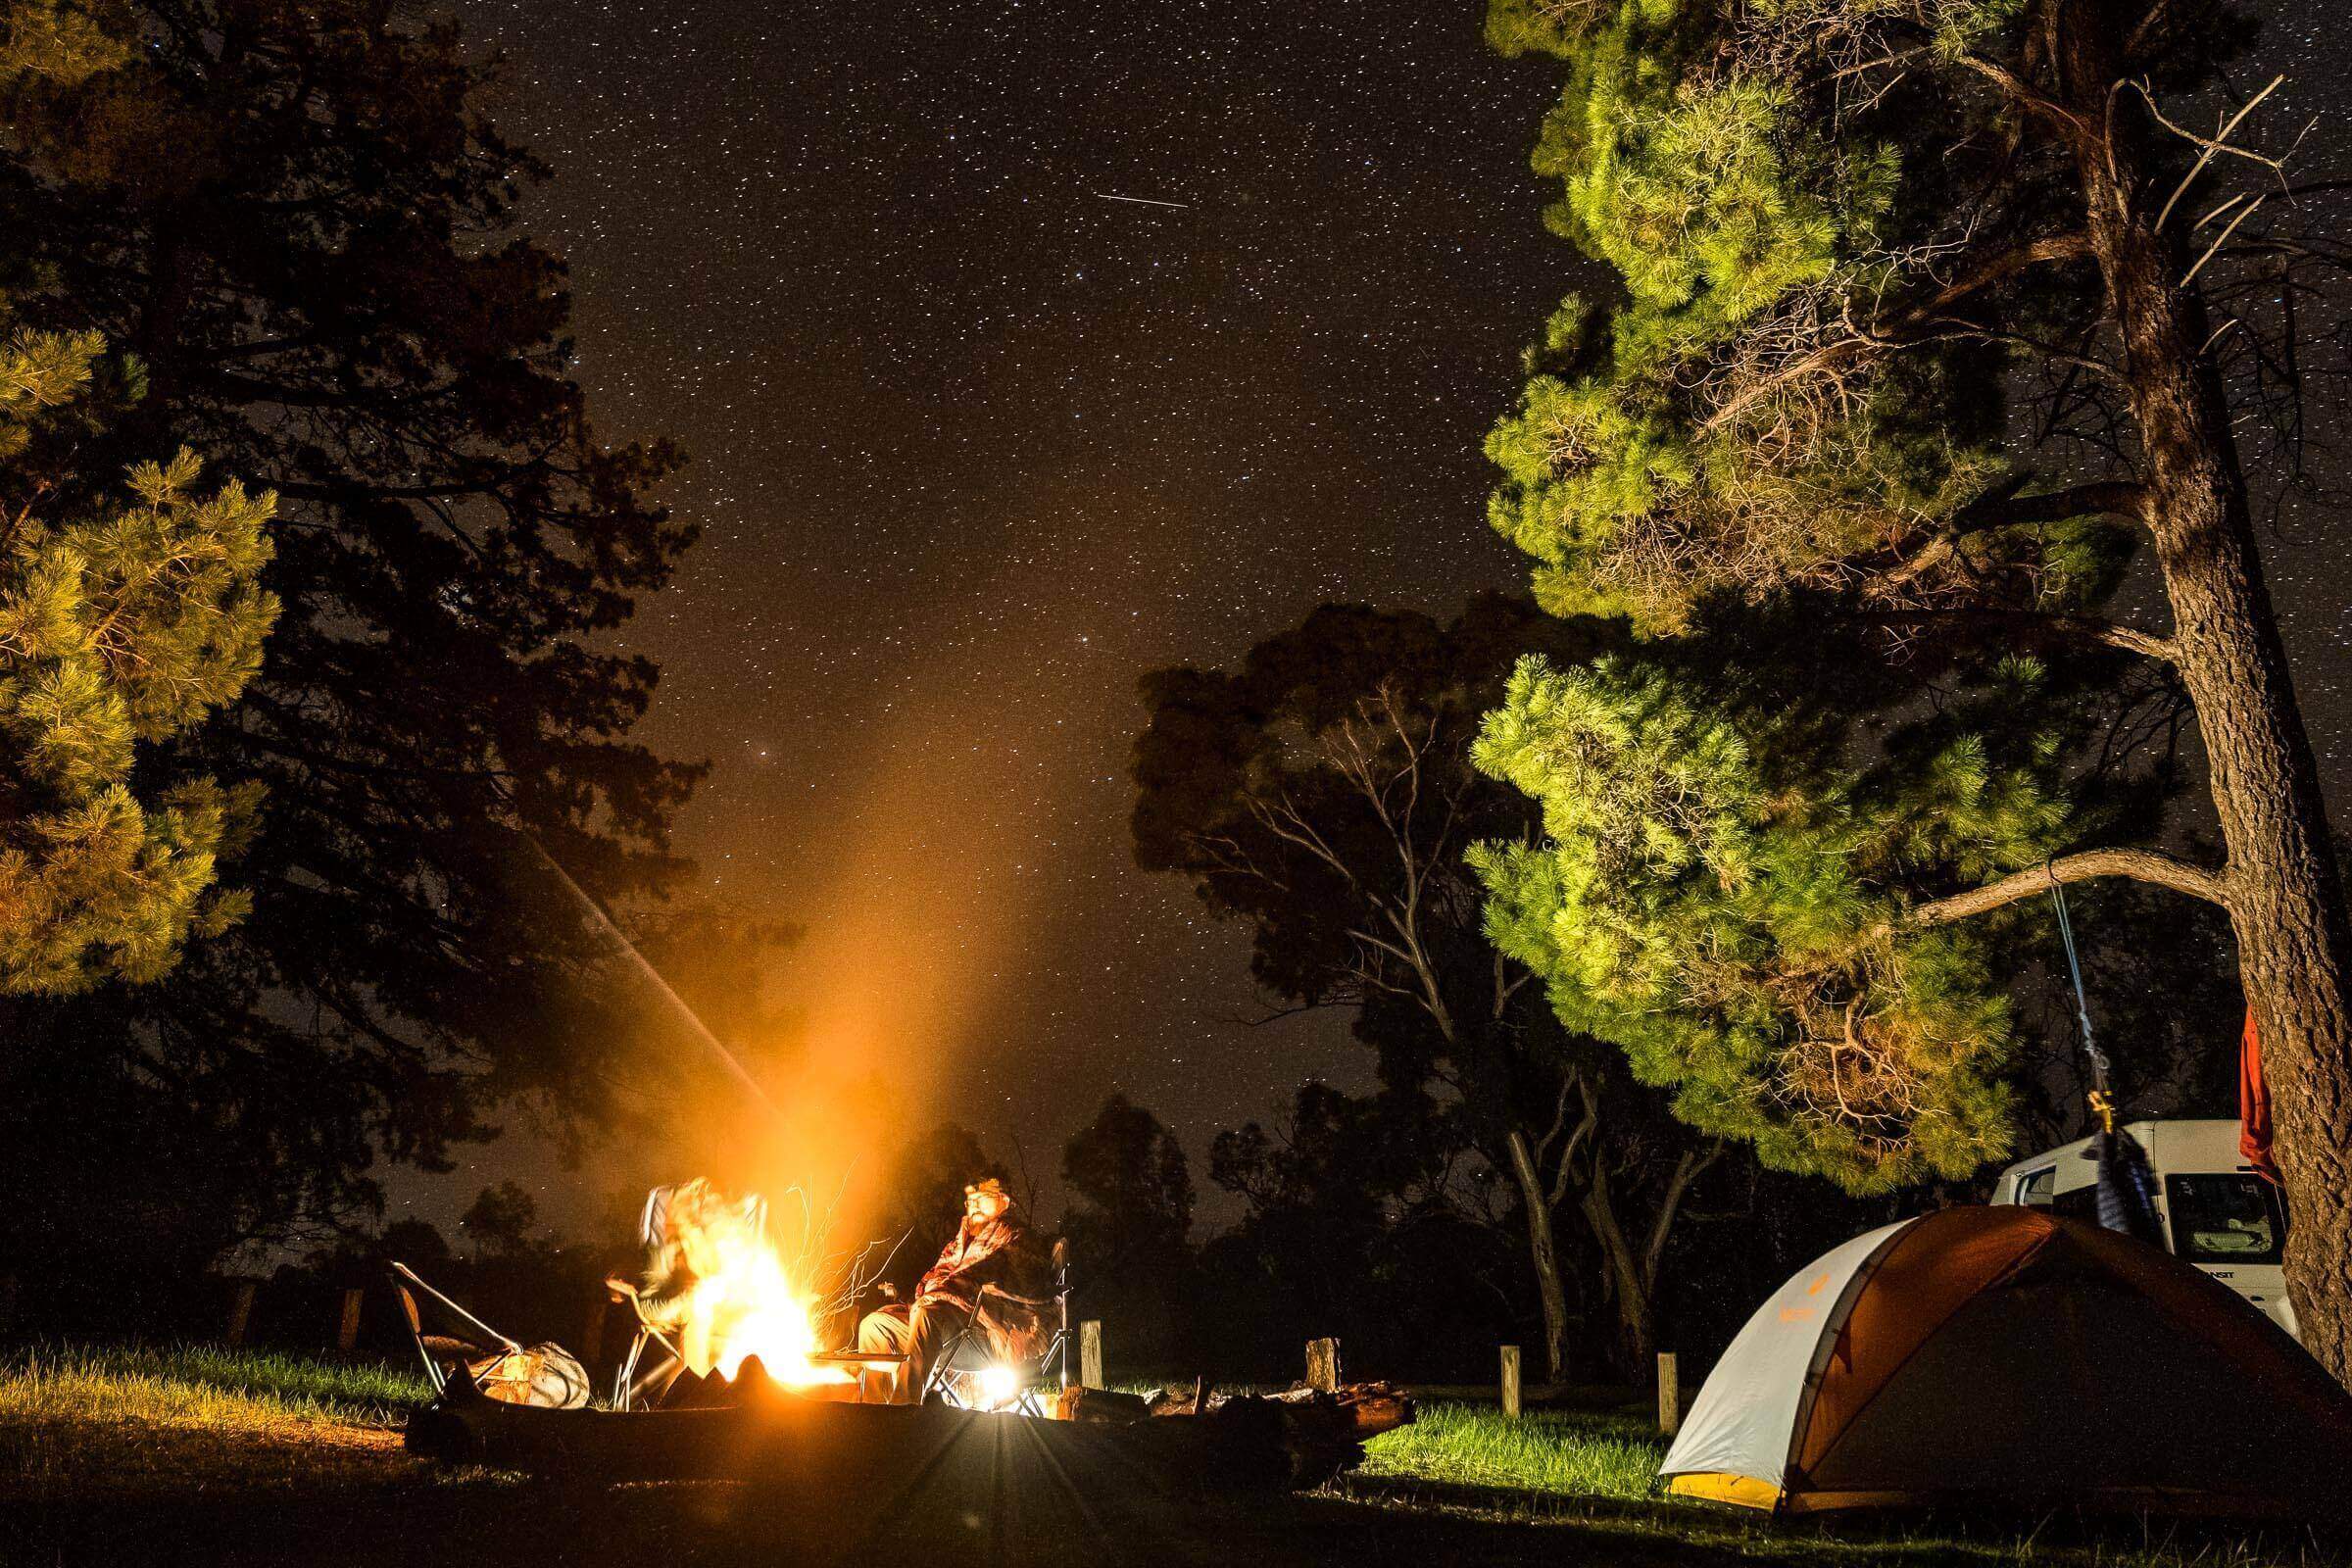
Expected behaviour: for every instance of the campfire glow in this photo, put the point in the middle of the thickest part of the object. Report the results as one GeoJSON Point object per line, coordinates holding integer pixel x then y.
{"type": "Point", "coordinates": [747, 1302]}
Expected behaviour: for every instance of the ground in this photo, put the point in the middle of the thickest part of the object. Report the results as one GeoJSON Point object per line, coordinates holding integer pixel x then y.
{"type": "Point", "coordinates": [198, 1457]}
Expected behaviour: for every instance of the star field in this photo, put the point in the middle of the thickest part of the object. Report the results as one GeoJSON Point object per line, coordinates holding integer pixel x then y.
{"type": "Point", "coordinates": [974, 446]}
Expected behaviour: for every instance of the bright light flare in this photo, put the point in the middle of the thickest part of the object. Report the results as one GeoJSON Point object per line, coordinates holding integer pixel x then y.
{"type": "Point", "coordinates": [1000, 1386]}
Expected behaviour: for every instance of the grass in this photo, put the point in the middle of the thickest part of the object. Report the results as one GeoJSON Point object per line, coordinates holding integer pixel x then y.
{"type": "Point", "coordinates": [137, 1421]}
{"type": "Point", "coordinates": [1593, 1472]}
{"type": "Point", "coordinates": [200, 1384]}
{"type": "Point", "coordinates": [1556, 1454]}
{"type": "Point", "coordinates": [195, 1456]}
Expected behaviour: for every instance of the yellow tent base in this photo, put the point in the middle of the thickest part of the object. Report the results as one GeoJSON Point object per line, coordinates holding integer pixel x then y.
{"type": "Point", "coordinates": [1716, 1486]}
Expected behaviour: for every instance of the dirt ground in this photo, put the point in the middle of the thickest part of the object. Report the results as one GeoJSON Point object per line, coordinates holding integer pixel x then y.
{"type": "Point", "coordinates": [313, 1490]}
{"type": "Point", "coordinates": [321, 1492]}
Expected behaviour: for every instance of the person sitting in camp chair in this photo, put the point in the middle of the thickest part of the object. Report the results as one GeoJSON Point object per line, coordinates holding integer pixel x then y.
{"type": "Point", "coordinates": [688, 1230]}
{"type": "Point", "coordinates": [989, 1249]}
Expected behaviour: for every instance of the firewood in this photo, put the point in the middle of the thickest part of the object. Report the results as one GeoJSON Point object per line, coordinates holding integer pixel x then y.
{"type": "Point", "coordinates": [1382, 1413]}
{"type": "Point", "coordinates": [1175, 1400]}
{"type": "Point", "coordinates": [1102, 1407]}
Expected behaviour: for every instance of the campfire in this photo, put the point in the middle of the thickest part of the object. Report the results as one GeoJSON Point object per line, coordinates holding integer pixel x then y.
{"type": "Point", "coordinates": [758, 1309]}
{"type": "Point", "coordinates": [761, 1396]}
{"type": "Point", "coordinates": [748, 1300]}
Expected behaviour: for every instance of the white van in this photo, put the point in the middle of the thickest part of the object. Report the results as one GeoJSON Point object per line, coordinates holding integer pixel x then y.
{"type": "Point", "coordinates": [2216, 1212]}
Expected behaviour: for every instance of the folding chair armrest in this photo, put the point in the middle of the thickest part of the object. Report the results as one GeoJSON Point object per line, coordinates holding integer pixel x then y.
{"type": "Point", "coordinates": [1036, 1303]}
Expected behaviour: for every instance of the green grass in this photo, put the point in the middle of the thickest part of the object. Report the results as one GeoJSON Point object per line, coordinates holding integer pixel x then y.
{"type": "Point", "coordinates": [116, 1454]}
{"type": "Point", "coordinates": [198, 1384]}
{"type": "Point", "coordinates": [1594, 1472]}
{"type": "Point", "coordinates": [123, 1421]}
{"type": "Point", "coordinates": [1556, 1453]}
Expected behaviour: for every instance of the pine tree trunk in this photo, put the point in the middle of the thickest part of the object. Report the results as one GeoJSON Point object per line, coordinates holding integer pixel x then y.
{"type": "Point", "coordinates": [2286, 898]}
{"type": "Point", "coordinates": [1544, 1253]}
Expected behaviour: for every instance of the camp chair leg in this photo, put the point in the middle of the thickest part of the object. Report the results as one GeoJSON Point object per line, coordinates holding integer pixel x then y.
{"type": "Point", "coordinates": [627, 1384]}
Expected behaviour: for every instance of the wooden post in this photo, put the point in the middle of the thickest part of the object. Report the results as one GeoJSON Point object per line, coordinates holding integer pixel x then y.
{"type": "Point", "coordinates": [1090, 1354]}
{"type": "Point", "coordinates": [240, 1311]}
{"type": "Point", "coordinates": [348, 1335]}
{"type": "Point", "coordinates": [1670, 1395]}
{"type": "Point", "coordinates": [1323, 1366]}
{"type": "Point", "coordinates": [1510, 1382]}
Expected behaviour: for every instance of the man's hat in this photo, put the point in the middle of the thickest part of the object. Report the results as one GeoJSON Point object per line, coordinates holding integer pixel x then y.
{"type": "Point", "coordinates": [987, 1184]}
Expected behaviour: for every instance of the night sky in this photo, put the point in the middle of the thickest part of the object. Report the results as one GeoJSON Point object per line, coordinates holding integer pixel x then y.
{"type": "Point", "coordinates": [974, 446]}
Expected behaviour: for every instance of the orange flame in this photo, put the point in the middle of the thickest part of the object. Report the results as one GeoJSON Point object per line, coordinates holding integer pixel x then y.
{"type": "Point", "coordinates": [747, 1300]}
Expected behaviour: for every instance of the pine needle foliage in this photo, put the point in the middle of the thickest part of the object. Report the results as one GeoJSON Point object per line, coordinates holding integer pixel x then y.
{"type": "Point", "coordinates": [1721, 447]}
{"type": "Point", "coordinates": [1735, 928]}
{"type": "Point", "coordinates": [118, 630]}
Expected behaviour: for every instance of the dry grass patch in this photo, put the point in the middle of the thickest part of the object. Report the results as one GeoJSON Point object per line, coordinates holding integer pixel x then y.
{"type": "Point", "coordinates": [110, 1422]}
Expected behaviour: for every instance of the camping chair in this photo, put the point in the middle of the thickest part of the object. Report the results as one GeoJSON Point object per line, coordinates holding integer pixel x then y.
{"type": "Point", "coordinates": [630, 1387]}
{"type": "Point", "coordinates": [501, 1367]}
{"type": "Point", "coordinates": [959, 1377]}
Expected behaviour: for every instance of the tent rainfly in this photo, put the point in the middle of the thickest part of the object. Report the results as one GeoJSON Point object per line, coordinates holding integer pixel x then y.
{"type": "Point", "coordinates": [2006, 1355]}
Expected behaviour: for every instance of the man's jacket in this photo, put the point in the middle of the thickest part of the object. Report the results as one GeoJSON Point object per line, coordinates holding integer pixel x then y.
{"type": "Point", "coordinates": [991, 1253]}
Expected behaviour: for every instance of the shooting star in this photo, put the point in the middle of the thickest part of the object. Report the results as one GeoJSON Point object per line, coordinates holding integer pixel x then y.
{"type": "Point", "coordinates": [1141, 200]}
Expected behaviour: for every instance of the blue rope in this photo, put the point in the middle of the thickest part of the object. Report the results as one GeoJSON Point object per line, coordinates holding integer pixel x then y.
{"type": "Point", "coordinates": [2074, 968]}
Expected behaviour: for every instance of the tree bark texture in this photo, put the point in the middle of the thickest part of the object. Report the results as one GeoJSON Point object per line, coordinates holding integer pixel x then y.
{"type": "Point", "coordinates": [2285, 893]}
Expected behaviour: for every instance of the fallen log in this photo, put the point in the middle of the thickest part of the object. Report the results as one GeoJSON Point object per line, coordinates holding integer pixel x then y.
{"type": "Point", "coordinates": [1372, 1407]}
{"type": "Point", "coordinates": [1099, 1407]}
{"type": "Point", "coordinates": [827, 1451]}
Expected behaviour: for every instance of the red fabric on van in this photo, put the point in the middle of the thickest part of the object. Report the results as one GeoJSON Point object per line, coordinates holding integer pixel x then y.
{"type": "Point", "coordinates": [2254, 1106]}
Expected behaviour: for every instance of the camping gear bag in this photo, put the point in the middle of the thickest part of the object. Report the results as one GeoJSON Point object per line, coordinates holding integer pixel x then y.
{"type": "Point", "coordinates": [545, 1375]}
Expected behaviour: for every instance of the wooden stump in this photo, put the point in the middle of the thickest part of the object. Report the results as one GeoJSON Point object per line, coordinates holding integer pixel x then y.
{"type": "Point", "coordinates": [1670, 1394]}
{"type": "Point", "coordinates": [1510, 1382]}
{"type": "Point", "coordinates": [1323, 1366]}
{"type": "Point", "coordinates": [1090, 1354]}
{"type": "Point", "coordinates": [347, 1335]}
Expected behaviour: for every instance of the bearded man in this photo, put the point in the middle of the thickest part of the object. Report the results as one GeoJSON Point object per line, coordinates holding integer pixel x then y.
{"type": "Point", "coordinates": [988, 1250]}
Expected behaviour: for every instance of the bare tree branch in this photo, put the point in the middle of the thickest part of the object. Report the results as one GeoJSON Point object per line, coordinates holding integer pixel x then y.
{"type": "Point", "coordinates": [2093, 628]}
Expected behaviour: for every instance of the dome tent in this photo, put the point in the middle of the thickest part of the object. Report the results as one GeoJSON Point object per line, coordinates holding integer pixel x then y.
{"type": "Point", "coordinates": [2003, 1354]}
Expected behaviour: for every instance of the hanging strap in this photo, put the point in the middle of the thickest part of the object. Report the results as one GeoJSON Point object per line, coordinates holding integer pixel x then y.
{"type": "Point", "coordinates": [2101, 1096]}
{"type": "Point", "coordinates": [2127, 1192]}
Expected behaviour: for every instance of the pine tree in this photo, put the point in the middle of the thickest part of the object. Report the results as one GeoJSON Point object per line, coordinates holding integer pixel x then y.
{"type": "Point", "coordinates": [118, 630]}
{"type": "Point", "coordinates": [1921, 317]}
{"type": "Point", "coordinates": [302, 221]}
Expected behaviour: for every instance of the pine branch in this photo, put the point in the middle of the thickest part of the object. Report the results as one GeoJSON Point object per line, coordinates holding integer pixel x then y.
{"type": "Point", "coordinates": [2004, 507]}
{"type": "Point", "coordinates": [2137, 866]}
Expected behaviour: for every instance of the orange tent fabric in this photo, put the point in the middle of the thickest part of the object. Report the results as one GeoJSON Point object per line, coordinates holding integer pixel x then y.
{"type": "Point", "coordinates": [2002, 1354]}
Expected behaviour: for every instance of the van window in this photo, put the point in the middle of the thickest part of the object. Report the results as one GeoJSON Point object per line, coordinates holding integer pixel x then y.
{"type": "Point", "coordinates": [2225, 1219]}
{"type": "Point", "coordinates": [2034, 1187]}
